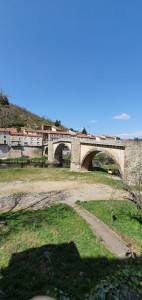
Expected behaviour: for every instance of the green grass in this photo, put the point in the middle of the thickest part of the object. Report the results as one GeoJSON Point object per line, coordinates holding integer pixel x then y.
{"type": "Point", "coordinates": [111, 166]}
{"type": "Point", "coordinates": [67, 158]}
{"type": "Point", "coordinates": [54, 252]}
{"type": "Point", "coordinates": [23, 160]}
{"type": "Point", "coordinates": [101, 157]}
{"type": "Point", "coordinates": [57, 174]}
{"type": "Point", "coordinates": [50, 249]}
{"type": "Point", "coordinates": [127, 219]}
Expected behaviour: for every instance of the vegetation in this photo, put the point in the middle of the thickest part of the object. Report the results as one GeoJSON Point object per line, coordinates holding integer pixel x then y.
{"type": "Point", "coordinates": [101, 157]}
{"type": "Point", "coordinates": [67, 158]}
{"type": "Point", "coordinates": [57, 123]}
{"type": "Point", "coordinates": [112, 166]}
{"type": "Point", "coordinates": [50, 249]}
{"type": "Point", "coordinates": [126, 221]}
{"type": "Point", "coordinates": [3, 98]}
{"type": "Point", "coordinates": [58, 174]}
{"type": "Point", "coordinates": [14, 116]}
{"type": "Point", "coordinates": [54, 252]}
{"type": "Point", "coordinates": [84, 131]}
{"type": "Point", "coordinates": [23, 160]}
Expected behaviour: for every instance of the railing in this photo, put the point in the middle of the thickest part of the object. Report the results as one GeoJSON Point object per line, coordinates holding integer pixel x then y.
{"type": "Point", "coordinates": [91, 141]}
{"type": "Point", "coordinates": [104, 142]}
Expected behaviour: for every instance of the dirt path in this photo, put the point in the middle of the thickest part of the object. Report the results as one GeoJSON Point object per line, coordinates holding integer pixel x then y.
{"type": "Point", "coordinates": [21, 195]}
{"type": "Point", "coordinates": [112, 240]}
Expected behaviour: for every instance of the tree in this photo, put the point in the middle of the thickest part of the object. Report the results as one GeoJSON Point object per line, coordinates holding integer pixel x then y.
{"type": "Point", "coordinates": [57, 123]}
{"type": "Point", "coordinates": [84, 131]}
{"type": "Point", "coordinates": [4, 117]}
{"type": "Point", "coordinates": [3, 99]}
{"type": "Point", "coordinates": [135, 182]}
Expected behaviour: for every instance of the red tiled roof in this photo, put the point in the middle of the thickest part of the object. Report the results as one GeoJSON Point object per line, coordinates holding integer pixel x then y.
{"type": "Point", "coordinates": [55, 132]}
{"type": "Point", "coordinates": [9, 129]}
{"type": "Point", "coordinates": [101, 137]}
{"type": "Point", "coordinates": [4, 129]}
{"type": "Point", "coordinates": [35, 135]}
{"type": "Point", "coordinates": [83, 136]}
{"type": "Point", "coordinates": [24, 134]}
{"type": "Point", "coordinates": [92, 137]}
{"type": "Point", "coordinates": [12, 129]}
{"type": "Point", "coordinates": [16, 133]}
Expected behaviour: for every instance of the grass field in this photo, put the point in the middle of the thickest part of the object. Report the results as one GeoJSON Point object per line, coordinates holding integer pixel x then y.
{"type": "Point", "coordinates": [57, 174]}
{"type": "Point", "coordinates": [23, 160]}
{"type": "Point", "coordinates": [50, 250]}
{"type": "Point", "coordinates": [127, 220]}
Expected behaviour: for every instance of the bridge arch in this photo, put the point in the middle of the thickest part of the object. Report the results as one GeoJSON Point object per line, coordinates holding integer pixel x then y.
{"type": "Point", "coordinates": [46, 151]}
{"type": "Point", "coordinates": [87, 159]}
{"type": "Point", "coordinates": [58, 148]}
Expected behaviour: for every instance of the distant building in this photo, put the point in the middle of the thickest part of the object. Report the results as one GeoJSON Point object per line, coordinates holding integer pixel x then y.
{"type": "Point", "coordinates": [15, 144]}
{"type": "Point", "coordinates": [107, 137]}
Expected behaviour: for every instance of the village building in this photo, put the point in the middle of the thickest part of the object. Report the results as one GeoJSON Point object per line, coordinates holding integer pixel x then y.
{"type": "Point", "coordinates": [107, 137]}
{"type": "Point", "coordinates": [15, 144]}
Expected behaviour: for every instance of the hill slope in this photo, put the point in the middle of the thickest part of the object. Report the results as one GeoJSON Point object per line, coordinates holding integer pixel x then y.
{"type": "Point", "coordinates": [15, 116]}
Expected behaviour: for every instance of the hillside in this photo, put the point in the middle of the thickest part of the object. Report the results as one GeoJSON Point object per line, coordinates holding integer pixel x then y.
{"type": "Point", "coordinates": [15, 116]}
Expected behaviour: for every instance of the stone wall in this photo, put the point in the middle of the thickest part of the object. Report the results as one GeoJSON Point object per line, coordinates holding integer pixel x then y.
{"type": "Point", "coordinates": [32, 152]}
{"type": "Point", "coordinates": [133, 150]}
{"type": "Point", "coordinates": [15, 152]}
{"type": "Point", "coordinates": [4, 151]}
{"type": "Point", "coordinates": [75, 155]}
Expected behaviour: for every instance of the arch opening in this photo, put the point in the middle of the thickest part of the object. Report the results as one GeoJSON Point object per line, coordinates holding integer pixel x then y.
{"type": "Point", "coordinates": [103, 161]}
{"type": "Point", "coordinates": [46, 151]}
{"type": "Point", "coordinates": [62, 155]}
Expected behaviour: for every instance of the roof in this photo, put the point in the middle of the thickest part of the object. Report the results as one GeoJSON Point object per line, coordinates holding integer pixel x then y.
{"type": "Point", "coordinates": [82, 136]}
{"type": "Point", "coordinates": [54, 132]}
{"type": "Point", "coordinates": [12, 129]}
{"type": "Point", "coordinates": [4, 130]}
{"type": "Point", "coordinates": [16, 133]}
{"type": "Point", "coordinates": [9, 130]}
{"type": "Point", "coordinates": [26, 134]}
{"type": "Point", "coordinates": [101, 137]}
{"type": "Point", "coordinates": [35, 135]}
{"type": "Point", "coordinates": [109, 136]}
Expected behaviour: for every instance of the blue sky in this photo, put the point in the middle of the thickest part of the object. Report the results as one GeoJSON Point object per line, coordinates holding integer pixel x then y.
{"type": "Point", "coordinates": [79, 61]}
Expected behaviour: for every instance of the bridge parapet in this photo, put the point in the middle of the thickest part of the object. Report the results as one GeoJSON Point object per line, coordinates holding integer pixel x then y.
{"type": "Point", "coordinates": [91, 141]}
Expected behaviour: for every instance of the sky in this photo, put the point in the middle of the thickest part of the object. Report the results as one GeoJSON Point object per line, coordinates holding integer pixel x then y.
{"type": "Point", "coordinates": [78, 61]}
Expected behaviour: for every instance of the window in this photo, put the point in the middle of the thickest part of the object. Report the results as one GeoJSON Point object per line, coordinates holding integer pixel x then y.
{"type": "Point", "coordinates": [4, 142]}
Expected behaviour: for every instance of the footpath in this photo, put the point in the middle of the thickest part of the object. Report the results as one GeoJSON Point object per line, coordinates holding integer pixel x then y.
{"type": "Point", "coordinates": [112, 240]}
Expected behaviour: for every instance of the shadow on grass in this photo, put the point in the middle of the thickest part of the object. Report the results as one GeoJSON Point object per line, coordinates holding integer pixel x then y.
{"type": "Point", "coordinates": [99, 169]}
{"type": "Point", "coordinates": [136, 218]}
{"type": "Point", "coordinates": [47, 200]}
{"type": "Point", "coordinates": [54, 269]}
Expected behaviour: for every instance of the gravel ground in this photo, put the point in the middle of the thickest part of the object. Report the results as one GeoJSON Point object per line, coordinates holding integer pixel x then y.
{"type": "Point", "coordinates": [35, 195]}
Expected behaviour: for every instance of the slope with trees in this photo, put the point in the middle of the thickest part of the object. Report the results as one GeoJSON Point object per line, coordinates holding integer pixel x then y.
{"type": "Point", "coordinates": [15, 116]}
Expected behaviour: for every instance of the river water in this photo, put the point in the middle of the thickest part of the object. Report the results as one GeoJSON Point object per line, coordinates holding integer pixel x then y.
{"type": "Point", "coordinates": [65, 164]}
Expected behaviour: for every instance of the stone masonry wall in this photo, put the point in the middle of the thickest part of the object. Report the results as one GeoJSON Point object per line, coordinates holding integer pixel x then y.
{"type": "Point", "coordinates": [133, 150]}
{"type": "Point", "coordinates": [32, 152]}
{"type": "Point", "coordinates": [50, 152]}
{"type": "Point", "coordinates": [15, 152]}
{"type": "Point", "coordinates": [75, 156]}
{"type": "Point", "coordinates": [4, 151]}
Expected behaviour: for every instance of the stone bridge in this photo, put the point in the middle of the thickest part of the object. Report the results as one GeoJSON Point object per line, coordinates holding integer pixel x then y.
{"type": "Point", "coordinates": [83, 150]}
